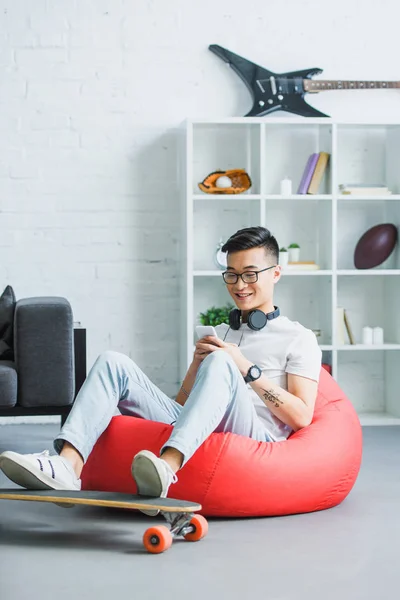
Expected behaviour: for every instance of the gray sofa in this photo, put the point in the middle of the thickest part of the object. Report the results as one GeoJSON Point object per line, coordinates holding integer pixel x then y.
{"type": "Point", "coordinates": [49, 360]}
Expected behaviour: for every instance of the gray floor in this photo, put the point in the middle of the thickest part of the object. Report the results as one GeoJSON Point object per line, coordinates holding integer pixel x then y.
{"type": "Point", "coordinates": [349, 552]}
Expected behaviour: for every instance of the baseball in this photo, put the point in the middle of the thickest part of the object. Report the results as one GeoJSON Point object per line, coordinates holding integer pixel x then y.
{"type": "Point", "coordinates": [223, 182]}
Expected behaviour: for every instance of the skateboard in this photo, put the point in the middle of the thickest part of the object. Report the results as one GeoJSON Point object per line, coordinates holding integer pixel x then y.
{"type": "Point", "coordinates": [178, 513]}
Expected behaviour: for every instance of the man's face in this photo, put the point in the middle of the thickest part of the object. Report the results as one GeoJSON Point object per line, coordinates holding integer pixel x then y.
{"type": "Point", "coordinates": [249, 296]}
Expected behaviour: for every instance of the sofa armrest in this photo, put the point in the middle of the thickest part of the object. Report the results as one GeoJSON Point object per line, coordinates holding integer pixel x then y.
{"type": "Point", "coordinates": [44, 351]}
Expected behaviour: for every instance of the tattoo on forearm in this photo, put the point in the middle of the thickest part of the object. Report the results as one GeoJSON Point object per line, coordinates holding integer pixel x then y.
{"type": "Point", "coordinates": [273, 397]}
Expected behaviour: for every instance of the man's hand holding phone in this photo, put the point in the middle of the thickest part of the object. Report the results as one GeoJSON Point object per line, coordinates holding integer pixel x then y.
{"type": "Point", "coordinates": [206, 343]}
{"type": "Point", "coordinates": [210, 342]}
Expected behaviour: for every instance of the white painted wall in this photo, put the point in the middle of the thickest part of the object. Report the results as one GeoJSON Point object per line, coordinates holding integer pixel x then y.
{"type": "Point", "coordinates": [91, 96]}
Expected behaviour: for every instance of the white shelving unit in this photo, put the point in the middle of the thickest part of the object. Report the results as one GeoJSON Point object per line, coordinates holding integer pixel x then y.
{"type": "Point", "coordinates": [327, 227]}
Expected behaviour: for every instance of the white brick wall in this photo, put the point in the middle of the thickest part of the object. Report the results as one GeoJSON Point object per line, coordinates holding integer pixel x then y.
{"type": "Point", "coordinates": [91, 95]}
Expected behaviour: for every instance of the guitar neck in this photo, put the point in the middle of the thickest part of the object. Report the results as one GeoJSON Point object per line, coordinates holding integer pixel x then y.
{"type": "Point", "coordinates": [313, 85]}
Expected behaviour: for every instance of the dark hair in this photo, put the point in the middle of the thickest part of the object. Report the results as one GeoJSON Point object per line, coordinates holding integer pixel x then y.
{"type": "Point", "coordinates": [253, 237]}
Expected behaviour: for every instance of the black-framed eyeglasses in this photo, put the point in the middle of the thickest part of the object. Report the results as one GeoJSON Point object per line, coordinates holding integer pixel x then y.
{"type": "Point", "coordinates": [247, 276]}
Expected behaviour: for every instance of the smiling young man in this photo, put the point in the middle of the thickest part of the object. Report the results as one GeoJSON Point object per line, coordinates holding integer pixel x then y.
{"type": "Point", "coordinates": [258, 379]}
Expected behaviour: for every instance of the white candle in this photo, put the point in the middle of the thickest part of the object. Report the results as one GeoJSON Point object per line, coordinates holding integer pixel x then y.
{"type": "Point", "coordinates": [286, 187]}
{"type": "Point", "coordinates": [377, 335]}
{"type": "Point", "coordinates": [367, 336]}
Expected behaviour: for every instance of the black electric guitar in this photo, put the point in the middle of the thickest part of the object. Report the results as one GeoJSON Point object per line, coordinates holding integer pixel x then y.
{"type": "Point", "coordinates": [285, 91]}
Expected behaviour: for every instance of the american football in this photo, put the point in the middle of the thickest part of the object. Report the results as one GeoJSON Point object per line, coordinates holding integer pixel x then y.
{"type": "Point", "coordinates": [375, 246]}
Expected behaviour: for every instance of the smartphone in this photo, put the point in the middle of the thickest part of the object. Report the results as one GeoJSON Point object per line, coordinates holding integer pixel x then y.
{"type": "Point", "coordinates": [203, 330]}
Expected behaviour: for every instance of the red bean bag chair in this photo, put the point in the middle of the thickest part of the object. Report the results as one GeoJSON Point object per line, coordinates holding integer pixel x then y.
{"type": "Point", "coordinates": [234, 476]}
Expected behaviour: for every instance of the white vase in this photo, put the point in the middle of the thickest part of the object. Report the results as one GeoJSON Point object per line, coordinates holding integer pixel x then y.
{"type": "Point", "coordinates": [294, 254]}
{"type": "Point", "coordinates": [283, 259]}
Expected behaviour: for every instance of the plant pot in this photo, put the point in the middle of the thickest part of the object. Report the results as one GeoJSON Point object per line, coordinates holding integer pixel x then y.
{"type": "Point", "coordinates": [294, 254]}
{"type": "Point", "coordinates": [283, 259]}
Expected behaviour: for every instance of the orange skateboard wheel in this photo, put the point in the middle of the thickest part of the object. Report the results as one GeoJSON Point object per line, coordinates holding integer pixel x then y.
{"type": "Point", "coordinates": [200, 525]}
{"type": "Point", "coordinates": [157, 539]}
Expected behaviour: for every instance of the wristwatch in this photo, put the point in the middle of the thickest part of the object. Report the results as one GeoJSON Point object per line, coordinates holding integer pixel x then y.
{"type": "Point", "coordinates": [253, 374]}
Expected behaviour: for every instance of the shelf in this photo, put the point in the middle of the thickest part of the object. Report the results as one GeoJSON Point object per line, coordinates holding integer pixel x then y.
{"type": "Point", "coordinates": [245, 196]}
{"type": "Point", "coordinates": [290, 120]}
{"type": "Point", "coordinates": [290, 272]}
{"type": "Point", "coordinates": [377, 418]}
{"type": "Point", "coordinates": [327, 226]}
{"type": "Point", "coordinates": [234, 197]}
{"type": "Point", "coordinates": [368, 153]}
{"type": "Point", "coordinates": [368, 272]}
{"type": "Point", "coordinates": [286, 148]}
{"type": "Point", "coordinates": [261, 121]}
{"type": "Point", "coordinates": [358, 197]}
{"type": "Point", "coordinates": [365, 347]}
{"type": "Point", "coordinates": [211, 273]}
{"type": "Point", "coordinates": [207, 273]}
{"type": "Point", "coordinates": [228, 146]}
{"type": "Point", "coordinates": [299, 197]}
{"type": "Point", "coordinates": [371, 301]}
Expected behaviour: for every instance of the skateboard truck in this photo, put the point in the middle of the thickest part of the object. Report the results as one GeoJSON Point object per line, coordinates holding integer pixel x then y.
{"type": "Point", "coordinates": [190, 526]}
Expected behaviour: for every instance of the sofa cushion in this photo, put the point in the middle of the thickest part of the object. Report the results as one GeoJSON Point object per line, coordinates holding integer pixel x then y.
{"type": "Point", "coordinates": [7, 309]}
{"type": "Point", "coordinates": [8, 384]}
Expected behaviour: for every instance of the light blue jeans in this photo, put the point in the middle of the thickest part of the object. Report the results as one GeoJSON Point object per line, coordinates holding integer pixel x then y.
{"type": "Point", "coordinates": [219, 401]}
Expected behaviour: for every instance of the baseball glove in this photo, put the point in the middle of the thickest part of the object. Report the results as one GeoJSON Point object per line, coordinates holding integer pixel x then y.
{"type": "Point", "coordinates": [240, 182]}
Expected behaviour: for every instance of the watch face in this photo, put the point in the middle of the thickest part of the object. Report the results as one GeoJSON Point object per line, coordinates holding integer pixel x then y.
{"type": "Point", "coordinates": [255, 372]}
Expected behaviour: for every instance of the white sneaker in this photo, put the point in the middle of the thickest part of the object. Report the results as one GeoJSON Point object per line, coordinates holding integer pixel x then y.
{"type": "Point", "coordinates": [39, 471]}
{"type": "Point", "coordinates": [153, 476]}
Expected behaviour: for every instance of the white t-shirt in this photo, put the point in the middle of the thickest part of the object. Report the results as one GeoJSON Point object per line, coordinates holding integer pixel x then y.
{"type": "Point", "coordinates": [281, 347]}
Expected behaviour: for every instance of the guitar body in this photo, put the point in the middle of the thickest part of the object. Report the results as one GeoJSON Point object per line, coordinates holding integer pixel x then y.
{"type": "Point", "coordinates": [271, 91]}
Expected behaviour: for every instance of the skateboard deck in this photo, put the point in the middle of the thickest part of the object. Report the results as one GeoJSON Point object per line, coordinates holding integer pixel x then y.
{"type": "Point", "coordinates": [178, 513]}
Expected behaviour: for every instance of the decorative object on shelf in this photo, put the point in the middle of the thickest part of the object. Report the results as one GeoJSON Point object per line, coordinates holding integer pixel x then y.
{"type": "Point", "coordinates": [342, 324]}
{"type": "Point", "coordinates": [372, 336]}
{"type": "Point", "coordinates": [283, 257]}
{"type": "Point", "coordinates": [216, 315]}
{"type": "Point", "coordinates": [317, 332]}
{"type": "Point", "coordinates": [294, 253]}
{"type": "Point", "coordinates": [377, 336]}
{"type": "Point", "coordinates": [367, 336]}
{"type": "Point", "coordinates": [305, 265]}
{"type": "Point", "coordinates": [286, 186]}
{"type": "Point", "coordinates": [285, 91]}
{"type": "Point", "coordinates": [364, 189]}
{"type": "Point", "coordinates": [240, 182]}
{"type": "Point", "coordinates": [375, 246]}
{"type": "Point", "coordinates": [220, 257]}
{"type": "Point", "coordinates": [348, 328]}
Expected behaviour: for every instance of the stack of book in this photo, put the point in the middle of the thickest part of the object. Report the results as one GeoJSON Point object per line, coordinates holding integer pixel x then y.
{"type": "Point", "coordinates": [313, 173]}
{"type": "Point", "coordinates": [364, 189]}
{"type": "Point", "coordinates": [307, 265]}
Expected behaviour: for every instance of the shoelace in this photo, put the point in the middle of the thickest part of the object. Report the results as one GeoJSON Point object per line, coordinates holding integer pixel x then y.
{"type": "Point", "coordinates": [171, 474]}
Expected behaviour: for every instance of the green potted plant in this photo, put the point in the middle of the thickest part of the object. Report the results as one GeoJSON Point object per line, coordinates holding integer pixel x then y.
{"type": "Point", "coordinates": [283, 257]}
{"type": "Point", "coordinates": [294, 253]}
{"type": "Point", "coordinates": [216, 315]}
